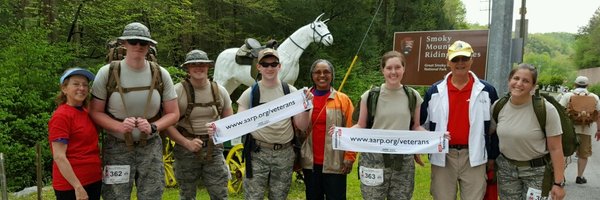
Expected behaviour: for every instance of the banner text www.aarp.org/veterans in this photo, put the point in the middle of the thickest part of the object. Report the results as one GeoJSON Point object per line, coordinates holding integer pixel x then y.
{"type": "Point", "coordinates": [260, 116]}
{"type": "Point", "coordinates": [389, 141]}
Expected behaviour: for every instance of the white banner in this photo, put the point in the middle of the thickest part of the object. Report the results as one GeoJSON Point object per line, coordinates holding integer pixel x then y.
{"type": "Point", "coordinates": [389, 141]}
{"type": "Point", "coordinates": [260, 116]}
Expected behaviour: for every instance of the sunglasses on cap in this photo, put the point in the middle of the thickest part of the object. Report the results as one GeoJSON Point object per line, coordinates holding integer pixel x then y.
{"type": "Point", "coordinates": [136, 42]}
{"type": "Point", "coordinates": [460, 58]}
{"type": "Point", "coordinates": [265, 65]}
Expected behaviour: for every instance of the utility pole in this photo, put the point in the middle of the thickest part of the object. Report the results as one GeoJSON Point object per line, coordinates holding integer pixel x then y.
{"type": "Point", "coordinates": [499, 45]}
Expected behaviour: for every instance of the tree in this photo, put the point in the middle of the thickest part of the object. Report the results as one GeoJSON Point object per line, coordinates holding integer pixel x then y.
{"type": "Point", "coordinates": [587, 46]}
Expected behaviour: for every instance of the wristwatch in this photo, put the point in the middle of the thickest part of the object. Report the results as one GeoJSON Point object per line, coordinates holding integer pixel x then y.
{"type": "Point", "coordinates": [153, 128]}
{"type": "Point", "coordinates": [561, 184]}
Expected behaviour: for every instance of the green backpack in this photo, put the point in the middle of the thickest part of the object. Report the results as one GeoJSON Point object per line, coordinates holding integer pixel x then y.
{"type": "Point", "coordinates": [372, 99]}
{"type": "Point", "coordinates": [570, 141]}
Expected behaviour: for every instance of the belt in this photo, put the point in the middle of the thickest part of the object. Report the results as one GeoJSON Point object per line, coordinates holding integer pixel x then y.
{"type": "Point", "coordinates": [536, 162]}
{"type": "Point", "coordinates": [186, 134]}
{"type": "Point", "coordinates": [273, 146]}
{"type": "Point", "coordinates": [459, 146]}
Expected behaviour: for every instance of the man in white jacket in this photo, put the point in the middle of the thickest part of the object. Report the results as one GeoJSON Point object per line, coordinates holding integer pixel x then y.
{"type": "Point", "coordinates": [460, 105]}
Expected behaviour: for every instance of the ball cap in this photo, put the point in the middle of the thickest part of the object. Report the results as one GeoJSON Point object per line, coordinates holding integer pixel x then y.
{"type": "Point", "coordinates": [582, 80]}
{"type": "Point", "coordinates": [196, 56]}
{"type": "Point", "coordinates": [138, 31]}
{"type": "Point", "coordinates": [77, 71]}
{"type": "Point", "coordinates": [267, 53]}
{"type": "Point", "coordinates": [459, 48]}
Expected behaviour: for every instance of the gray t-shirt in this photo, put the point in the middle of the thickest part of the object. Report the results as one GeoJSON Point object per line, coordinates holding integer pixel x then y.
{"type": "Point", "coordinates": [519, 132]}
{"type": "Point", "coordinates": [136, 100]}
{"type": "Point", "coordinates": [280, 132]}
{"type": "Point", "coordinates": [200, 115]}
{"type": "Point", "coordinates": [392, 108]}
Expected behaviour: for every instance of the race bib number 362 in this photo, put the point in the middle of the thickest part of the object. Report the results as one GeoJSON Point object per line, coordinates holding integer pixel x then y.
{"type": "Point", "coordinates": [115, 174]}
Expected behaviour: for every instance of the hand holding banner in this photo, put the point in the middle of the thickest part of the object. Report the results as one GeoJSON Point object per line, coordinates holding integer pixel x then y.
{"type": "Point", "coordinates": [260, 116]}
{"type": "Point", "coordinates": [389, 141]}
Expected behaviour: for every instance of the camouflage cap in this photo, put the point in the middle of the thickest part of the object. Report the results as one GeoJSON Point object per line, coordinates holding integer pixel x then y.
{"type": "Point", "coordinates": [138, 31]}
{"type": "Point", "coordinates": [267, 53]}
{"type": "Point", "coordinates": [196, 56]}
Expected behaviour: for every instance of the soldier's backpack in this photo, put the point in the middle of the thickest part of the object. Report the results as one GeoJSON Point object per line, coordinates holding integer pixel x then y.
{"type": "Point", "coordinates": [114, 85]}
{"type": "Point", "coordinates": [372, 99]}
{"type": "Point", "coordinates": [570, 141]}
{"type": "Point", "coordinates": [582, 108]}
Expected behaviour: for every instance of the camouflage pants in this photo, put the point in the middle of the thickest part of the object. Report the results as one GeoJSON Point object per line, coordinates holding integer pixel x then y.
{"type": "Point", "coordinates": [192, 169]}
{"type": "Point", "coordinates": [271, 169]}
{"type": "Point", "coordinates": [513, 181]}
{"type": "Point", "coordinates": [146, 168]}
{"type": "Point", "coordinates": [398, 176]}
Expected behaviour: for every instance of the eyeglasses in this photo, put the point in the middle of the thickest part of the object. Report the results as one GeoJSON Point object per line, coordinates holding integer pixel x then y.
{"type": "Point", "coordinates": [460, 58]}
{"type": "Point", "coordinates": [324, 72]}
{"type": "Point", "coordinates": [80, 85]}
{"type": "Point", "coordinates": [265, 65]}
{"type": "Point", "coordinates": [136, 42]}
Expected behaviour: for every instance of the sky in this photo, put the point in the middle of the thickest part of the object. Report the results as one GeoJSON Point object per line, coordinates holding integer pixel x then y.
{"type": "Point", "coordinates": [544, 15]}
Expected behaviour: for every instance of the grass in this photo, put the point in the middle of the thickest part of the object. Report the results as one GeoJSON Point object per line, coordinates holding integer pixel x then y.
{"type": "Point", "coordinates": [421, 192]}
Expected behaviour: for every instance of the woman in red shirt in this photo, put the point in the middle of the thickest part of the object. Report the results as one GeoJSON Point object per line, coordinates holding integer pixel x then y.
{"type": "Point", "coordinates": [325, 169]}
{"type": "Point", "coordinates": [76, 170]}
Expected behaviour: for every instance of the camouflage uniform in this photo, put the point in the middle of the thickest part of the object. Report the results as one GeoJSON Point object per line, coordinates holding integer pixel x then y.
{"type": "Point", "coordinates": [276, 164]}
{"type": "Point", "coordinates": [398, 176]}
{"type": "Point", "coordinates": [513, 181]}
{"type": "Point", "coordinates": [191, 168]}
{"type": "Point", "coordinates": [146, 168]}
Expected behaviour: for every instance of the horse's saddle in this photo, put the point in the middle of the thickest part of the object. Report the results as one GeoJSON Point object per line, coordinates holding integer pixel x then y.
{"type": "Point", "coordinates": [248, 53]}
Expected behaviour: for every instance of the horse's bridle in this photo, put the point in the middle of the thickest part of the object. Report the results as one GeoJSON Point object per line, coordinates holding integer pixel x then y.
{"type": "Point", "coordinates": [312, 26]}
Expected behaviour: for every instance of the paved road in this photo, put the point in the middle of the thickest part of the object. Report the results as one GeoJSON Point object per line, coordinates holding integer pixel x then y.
{"type": "Point", "coordinates": [591, 190]}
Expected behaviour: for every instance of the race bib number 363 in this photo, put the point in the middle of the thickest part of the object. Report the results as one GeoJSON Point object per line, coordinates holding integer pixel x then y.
{"type": "Point", "coordinates": [115, 174]}
{"type": "Point", "coordinates": [371, 176]}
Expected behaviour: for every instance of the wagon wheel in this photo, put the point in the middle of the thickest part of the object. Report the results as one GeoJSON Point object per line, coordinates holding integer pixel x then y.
{"type": "Point", "coordinates": [168, 160]}
{"type": "Point", "coordinates": [237, 168]}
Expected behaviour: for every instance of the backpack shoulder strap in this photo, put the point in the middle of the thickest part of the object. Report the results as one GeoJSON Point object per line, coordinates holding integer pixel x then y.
{"type": "Point", "coordinates": [111, 84]}
{"type": "Point", "coordinates": [216, 93]}
{"type": "Point", "coordinates": [159, 84]}
{"type": "Point", "coordinates": [498, 106]}
{"type": "Point", "coordinates": [191, 97]}
{"type": "Point", "coordinates": [412, 100]}
{"type": "Point", "coordinates": [372, 100]}
{"type": "Point", "coordinates": [539, 107]}
{"type": "Point", "coordinates": [255, 95]}
{"type": "Point", "coordinates": [286, 88]}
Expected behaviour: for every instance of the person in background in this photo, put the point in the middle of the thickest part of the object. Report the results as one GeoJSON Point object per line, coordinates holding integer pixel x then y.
{"type": "Point", "coordinates": [584, 131]}
{"type": "Point", "coordinates": [325, 169]}
{"type": "Point", "coordinates": [524, 149]}
{"type": "Point", "coordinates": [459, 104]}
{"type": "Point", "coordinates": [132, 149]}
{"type": "Point", "coordinates": [197, 158]}
{"type": "Point", "coordinates": [76, 166]}
{"type": "Point", "coordinates": [397, 170]}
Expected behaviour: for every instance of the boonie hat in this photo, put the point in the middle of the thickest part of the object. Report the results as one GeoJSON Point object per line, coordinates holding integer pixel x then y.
{"type": "Point", "coordinates": [459, 48]}
{"type": "Point", "coordinates": [196, 56]}
{"type": "Point", "coordinates": [582, 80]}
{"type": "Point", "coordinates": [77, 71]}
{"type": "Point", "coordinates": [266, 53]}
{"type": "Point", "coordinates": [138, 31]}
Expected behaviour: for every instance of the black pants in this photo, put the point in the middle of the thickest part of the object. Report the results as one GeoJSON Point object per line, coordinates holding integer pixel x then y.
{"type": "Point", "coordinates": [321, 186]}
{"type": "Point", "coordinates": [93, 191]}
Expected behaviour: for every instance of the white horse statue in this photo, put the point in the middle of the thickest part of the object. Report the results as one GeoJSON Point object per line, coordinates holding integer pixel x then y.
{"type": "Point", "coordinates": [230, 75]}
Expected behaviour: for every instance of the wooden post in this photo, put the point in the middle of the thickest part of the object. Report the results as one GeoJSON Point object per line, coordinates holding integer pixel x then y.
{"type": "Point", "coordinates": [38, 163]}
{"type": "Point", "coordinates": [3, 178]}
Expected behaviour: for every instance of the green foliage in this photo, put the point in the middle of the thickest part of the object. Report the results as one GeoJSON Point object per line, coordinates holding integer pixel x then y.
{"type": "Point", "coordinates": [587, 47]}
{"type": "Point", "coordinates": [551, 54]}
{"type": "Point", "coordinates": [594, 89]}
